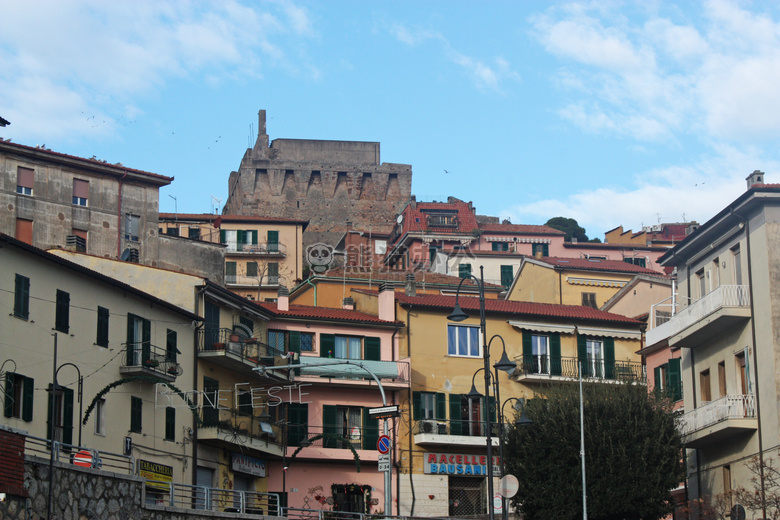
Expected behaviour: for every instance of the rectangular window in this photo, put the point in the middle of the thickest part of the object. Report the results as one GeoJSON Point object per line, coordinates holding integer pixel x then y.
{"type": "Point", "coordinates": [22, 297]}
{"type": "Point", "coordinates": [19, 396]}
{"type": "Point", "coordinates": [704, 383]}
{"type": "Point", "coordinates": [24, 230]}
{"type": "Point", "coordinates": [172, 231]}
{"type": "Point", "coordinates": [170, 423]}
{"type": "Point", "coordinates": [273, 241]}
{"type": "Point", "coordinates": [722, 378]}
{"type": "Point", "coordinates": [25, 180]}
{"type": "Point", "coordinates": [589, 300]}
{"type": "Point", "coordinates": [500, 246]}
{"type": "Point", "coordinates": [702, 284]}
{"type": "Point", "coordinates": [540, 249]}
{"type": "Point", "coordinates": [742, 373]}
{"type": "Point", "coordinates": [80, 192]}
{"type": "Point", "coordinates": [348, 347]}
{"type": "Point", "coordinates": [194, 233]}
{"type": "Point", "coordinates": [737, 258]}
{"type": "Point", "coordinates": [100, 417]}
{"type": "Point", "coordinates": [276, 340]}
{"type": "Point", "coordinates": [447, 220]}
{"type": "Point", "coordinates": [136, 408]}
{"type": "Point", "coordinates": [132, 227]}
{"type": "Point", "coordinates": [640, 261]}
{"type": "Point", "coordinates": [273, 273]}
{"type": "Point", "coordinates": [251, 269]}
{"type": "Point", "coordinates": [463, 341]}
{"type": "Point", "coordinates": [230, 272]}
{"type": "Point", "coordinates": [595, 358]}
{"type": "Point", "coordinates": [307, 342]}
{"type": "Point", "coordinates": [466, 415]}
{"type": "Point", "coordinates": [139, 340]}
{"type": "Point", "coordinates": [171, 352]}
{"type": "Point", "coordinates": [102, 326]}
{"type": "Point", "coordinates": [245, 403]}
{"type": "Point", "coordinates": [464, 270]}
{"type": "Point", "coordinates": [62, 313]}
{"type": "Point", "coordinates": [61, 411]}
{"type": "Point", "coordinates": [507, 276]}
{"type": "Point", "coordinates": [297, 423]}
{"type": "Point", "coordinates": [540, 350]}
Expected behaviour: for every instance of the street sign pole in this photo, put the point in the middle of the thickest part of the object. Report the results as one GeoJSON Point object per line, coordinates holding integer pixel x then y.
{"type": "Point", "coordinates": [388, 483]}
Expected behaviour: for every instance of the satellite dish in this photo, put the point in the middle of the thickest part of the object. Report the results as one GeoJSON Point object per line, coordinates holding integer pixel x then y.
{"type": "Point", "coordinates": [125, 254]}
{"type": "Point", "coordinates": [400, 219]}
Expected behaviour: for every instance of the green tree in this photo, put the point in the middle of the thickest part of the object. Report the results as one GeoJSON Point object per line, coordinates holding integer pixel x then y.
{"type": "Point", "coordinates": [571, 228]}
{"type": "Point", "coordinates": [632, 452]}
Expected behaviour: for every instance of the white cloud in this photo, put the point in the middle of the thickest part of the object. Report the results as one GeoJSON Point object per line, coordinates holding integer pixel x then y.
{"type": "Point", "coordinates": [91, 56]}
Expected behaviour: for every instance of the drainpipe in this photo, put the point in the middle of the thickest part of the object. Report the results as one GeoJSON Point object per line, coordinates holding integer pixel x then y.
{"type": "Point", "coordinates": [119, 219]}
{"type": "Point", "coordinates": [308, 281]}
{"type": "Point", "coordinates": [755, 360]}
{"type": "Point", "coordinates": [560, 287]}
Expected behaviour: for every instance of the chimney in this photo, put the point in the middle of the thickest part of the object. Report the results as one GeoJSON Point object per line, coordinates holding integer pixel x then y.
{"type": "Point", "coordinates": [386, 303]}
{"type": "Point", "coordinates": [757, 177]}
{"type": "Point", "coordinates": [283, 301]}
{"type": "Point", "coordinates": [411, 287]}
{"type": "Point", "coordinates": [349, 304]}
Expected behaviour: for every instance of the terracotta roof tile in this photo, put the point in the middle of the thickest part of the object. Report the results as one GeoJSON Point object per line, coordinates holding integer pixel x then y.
{"type": "Point", "coordinates": [325, 313]}
{"type": "Point", "coordinates": [591, 264]}
{"type": "Point", "coordinates": [415, 218]}
{"type": "Point", "coordinates": [399, 277]}
{"type": "Point", "coordinates": [524, 229]}
{"type": "Point", "coordinates": [541, 310]}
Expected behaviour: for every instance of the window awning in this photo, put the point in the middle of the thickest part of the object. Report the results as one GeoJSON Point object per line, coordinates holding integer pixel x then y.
{"type": "Point", "coordinates": [329, 367]}
{"type": "Point", "coordinates": [611, 333]}
{"type": "Point", "coordinates": [543, 327]}
{"type": "Point", "coordinates": [595, 282]}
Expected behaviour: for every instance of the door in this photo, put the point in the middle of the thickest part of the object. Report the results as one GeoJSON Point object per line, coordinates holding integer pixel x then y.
{"type": "Point", "coordinates": [210, 325]}
{"type": "Point", "coordinates": [210, 401]}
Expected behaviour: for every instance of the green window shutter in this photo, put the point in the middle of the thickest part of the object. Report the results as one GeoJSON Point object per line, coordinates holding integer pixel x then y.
{"type": "Point", "coordinates": [582, 354]}
{"type": "Point", "coordinates": [130, 345]}
{"type": "Point", "coordinates": [456, 423]}
{"type": "Point", "coordinates": [528, 352]}
{"type": "Point", "coordinates": [491, 411]}
{"type": "Point", "coordinates": [27, 403]}
{"type": "Point", "coordinates": [251, 268]}
{"type": "Point", "coordinates": [273, 270]}
{"type": "Point", "coordinates": [545, 250]}
{"type": "Point", "coordinates": [441, 406]}
{"type": "Point", "coordinates": [506, 275]}
{"type": "Point", "coordinates": [230, 268]}
{"type": "Point", "coordinates": [67, 416]}
{"type": "Point", "coordinates": [464, 270]}
{"type": "Point", "coordinates": [495, 246]}
{"type": "Point", "coordinates": [555, 354]}
{"type": "Point", "coordinates": [295, 346]}
{"type": "Point", "coordinates": [136, 413]}
{"type": "Point", "coordinates": [329, 413]}
{"type": "Point", "coordinates": [50, 406]}
{"type": "Point", "coordinates": [171, 349]}
{"type": "Point", "coordinates": [170, 423]}
{"type": "Point", "coordinates": [675, 379]}
{"type": "Point", "coordinates": [22, 297]}
{"type": "Point", "coordinates": [9, 394]}
{"type": "Point", "coordinates": [657, 380]}
{"type": "Point", "coordinates": [371, 349]}
{"type": "Point", "coordinates": [609, 358]}
{"type": "Point", "coordinates": [327, 345]}
{"type": "Point", "coordinates": [62, 312]}
{"type": "Point", "coordinates": [370, 431]}
{"type": "Point", "coordinates": [222, 236]}
{"type": "Point", "coordinates": [416, 406]}
{"type": "Point", "coordinates": [298, 419]}
{"type": "Point", "coordinates": [254, 237]}
{"type": "Point", "coordinates": [241, 236]}
{"type": "Point", "coordinates": [102, 327]}
{"type": "Point", "coordinates": [273, 241]}
{"type": "Point", "coordinates": [146, 346]}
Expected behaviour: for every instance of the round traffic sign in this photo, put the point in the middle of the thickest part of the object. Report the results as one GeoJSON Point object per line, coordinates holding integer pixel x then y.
{"type": "Point", "coordinates": [83, 458]}
{"type": "Point", "coordinates": [498, 503]}
{"type": "Point", "coordinates": [509, 486]}
{"type": "Point", "coordinates": [383, 444]}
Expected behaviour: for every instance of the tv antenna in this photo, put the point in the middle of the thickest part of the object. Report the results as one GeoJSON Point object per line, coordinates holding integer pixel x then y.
{"type": "Point", "coordinates": [215, 203]}
{"type": "Point", "coordinates": [175, 205]}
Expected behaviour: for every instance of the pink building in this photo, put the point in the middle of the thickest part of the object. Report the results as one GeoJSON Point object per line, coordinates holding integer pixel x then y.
{"type": "Point", "coordinates": [324, 409]}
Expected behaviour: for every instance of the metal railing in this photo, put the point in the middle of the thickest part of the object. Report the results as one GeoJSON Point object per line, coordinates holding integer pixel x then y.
{"type": "Point", "coordinates": [336, 437]}
{"type": "Point", "coordinates": [226, 340]}
{"type": "Point", "coordinates": [144, 355]}
{"type": "Point", "coordinates": [568, 367]}
{"type": "Point", "coordinates": [63, 452]}
{"type": "Point", "coordinates": [254, 281]}
{"type": "Point", "coordinates": [263, 248]}
{"type": "Point", "coordinates": [457, 427]}
{"type": "Point", "coordinates": [239, 426]}
{"type": "Point", "coordinates": [727, 407]}
{"type": "Point", "coordinates": [211, 499]}
{"type": "Point", "coordinates": [328, 514]}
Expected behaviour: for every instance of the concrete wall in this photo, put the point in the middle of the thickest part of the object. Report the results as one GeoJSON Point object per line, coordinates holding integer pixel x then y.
{"type": "Point", "coordinates": [192, 257]}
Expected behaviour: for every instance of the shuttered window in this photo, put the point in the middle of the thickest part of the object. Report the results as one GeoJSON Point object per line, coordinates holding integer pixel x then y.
{"type": "Point", "coordinates": [170, 423]}
{"type": "Point", "coordinates": [80, 192]}
{"type": "Point", "coordinates": [62, 312]}
{"type": "Point", "coordinates": [22, 297]}
{"type": "Point", "coordinates": [25, 180]}
{"type": "Point", "coordinates": [136, 408]}
{"type": "Point", "coordinates": [102, 327]}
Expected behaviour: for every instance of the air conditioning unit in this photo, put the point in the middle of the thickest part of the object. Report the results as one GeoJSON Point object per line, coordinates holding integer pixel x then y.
{"type": "Point", "coordinates": [428, 426]}
{"type": "Point", "coordinates": [441, 428]}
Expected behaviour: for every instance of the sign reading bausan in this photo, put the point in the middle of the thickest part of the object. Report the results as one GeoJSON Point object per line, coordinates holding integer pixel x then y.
{"type": "Point", "coordinates": [459, 464]}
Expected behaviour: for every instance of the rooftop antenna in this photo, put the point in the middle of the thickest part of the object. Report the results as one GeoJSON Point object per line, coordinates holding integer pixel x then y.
{"type": "Point", "coordinates": [215, 203]}
{"type": "Point", "coordinates": [175, 206]}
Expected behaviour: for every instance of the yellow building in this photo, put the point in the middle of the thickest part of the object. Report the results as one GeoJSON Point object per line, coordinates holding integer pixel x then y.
{"type": "Point", "coordinates": [261, 253]}
{"type": "Point", "coordinates": [572, 281]}
{"type": "Point", "coordinates": [442, 433]}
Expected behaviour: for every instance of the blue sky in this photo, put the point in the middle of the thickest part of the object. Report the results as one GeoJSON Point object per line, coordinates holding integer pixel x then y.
{"type": "Point", "coordinates": [610, 112]}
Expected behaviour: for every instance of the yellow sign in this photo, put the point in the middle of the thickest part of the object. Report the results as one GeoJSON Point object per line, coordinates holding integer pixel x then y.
{"type": "Point", "coordinates": [158, 472]}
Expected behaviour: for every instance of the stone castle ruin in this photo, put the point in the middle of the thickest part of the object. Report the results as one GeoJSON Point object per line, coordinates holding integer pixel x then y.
{"type": "Point", "coordinates": [328, 183]}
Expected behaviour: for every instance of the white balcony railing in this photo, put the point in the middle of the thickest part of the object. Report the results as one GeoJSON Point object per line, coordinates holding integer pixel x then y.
{"type": "Point", "coordinates": [664, 326]}
{"type": "Point", "coordinates": [727, 407]}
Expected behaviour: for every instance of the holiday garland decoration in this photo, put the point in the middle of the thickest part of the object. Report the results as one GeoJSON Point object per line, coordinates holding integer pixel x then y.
{"type": "Point", "coordinates": [334, 437]}
{"type": "Point", "coordinates": [132, 379]}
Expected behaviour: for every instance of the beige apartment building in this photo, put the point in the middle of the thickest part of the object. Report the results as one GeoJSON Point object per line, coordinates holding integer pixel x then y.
{"type": "Point", "coordinates": [725, 327]}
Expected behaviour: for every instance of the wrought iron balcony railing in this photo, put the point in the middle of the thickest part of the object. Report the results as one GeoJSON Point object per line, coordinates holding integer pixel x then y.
{"type": "Point", "coordinates": [263, 248]}
{"type": "Point", "coordinates": [239, 426]}
{"type": "Point", "coordinates": [568, 367]}
{"type": "Point", "coordinates": [727, 407]}
{"type": "Point", "coordinates": [339, 437]}
{"type": "Point", "coordinates": [229, 342]}
{"type": "Point", "coordinates": [144, 358]}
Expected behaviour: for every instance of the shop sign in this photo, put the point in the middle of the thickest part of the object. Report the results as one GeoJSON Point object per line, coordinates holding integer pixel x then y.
{"type": "Point", "coordinates": [459, 464]}
{"type": "Point", "coordinates": [159, 472]}
{"type": "Point", "coordinates": [249, 465]}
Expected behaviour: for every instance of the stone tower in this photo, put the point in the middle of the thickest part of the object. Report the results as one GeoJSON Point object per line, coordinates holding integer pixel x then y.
{"type": "Point", "coordinates": [327, 183]}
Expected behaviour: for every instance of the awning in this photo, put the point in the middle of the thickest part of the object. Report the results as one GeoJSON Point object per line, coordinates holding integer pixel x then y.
{"type": "Point", "coordinates": [543, 327]}
{"type": "Point", "coordinates": [610, 333]}
{"type": "Point", "coordinates": [595, 282]}
{"type": "Point", "coordinates": [329, 367]}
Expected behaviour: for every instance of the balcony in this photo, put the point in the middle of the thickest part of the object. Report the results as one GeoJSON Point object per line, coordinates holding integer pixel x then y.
{"type": "Point", "coordinates": [335, 442]}
{"type": "Point", "coordinates": [392, 374]}
{"type": "Point", "coordinates": [238, 431]}
{"type": "Point", "coordinates": [544, 369]}
{"type": "Point", "coordinates": [718, 420]}
{"type": "Point", "coordinates": [145, 359]}
{"type": "Point", "coordinates": [266, 249]}
{"type": "Point", "coordinates": [268, 281]}
{"type": "Point", "coordinates": [464, 434]}
{"type": "Point", "coordinates": [702, 319]}
{"type": "Point", "coordinates": [226, 348]}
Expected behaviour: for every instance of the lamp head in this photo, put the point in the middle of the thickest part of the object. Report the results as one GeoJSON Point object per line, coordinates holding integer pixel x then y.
{"type": "Point", "coordinates": [505, 364]}
{"type": "Point", "coordinates": [305, 443]}
{"type": "Point", "coordinates": [457, 314]}
{"type": "Point", "coordinates": [523, 420]}
{"type": "Point", "coordinates": [473, 393]}
{"type": "Point", "coordinates": [265, 417]}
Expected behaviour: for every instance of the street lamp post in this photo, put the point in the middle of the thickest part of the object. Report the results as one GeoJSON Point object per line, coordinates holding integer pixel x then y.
{"type": "Point", "coordinates": [505, 364]}
{"type": "Point", "coordinates": [523, 420]}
